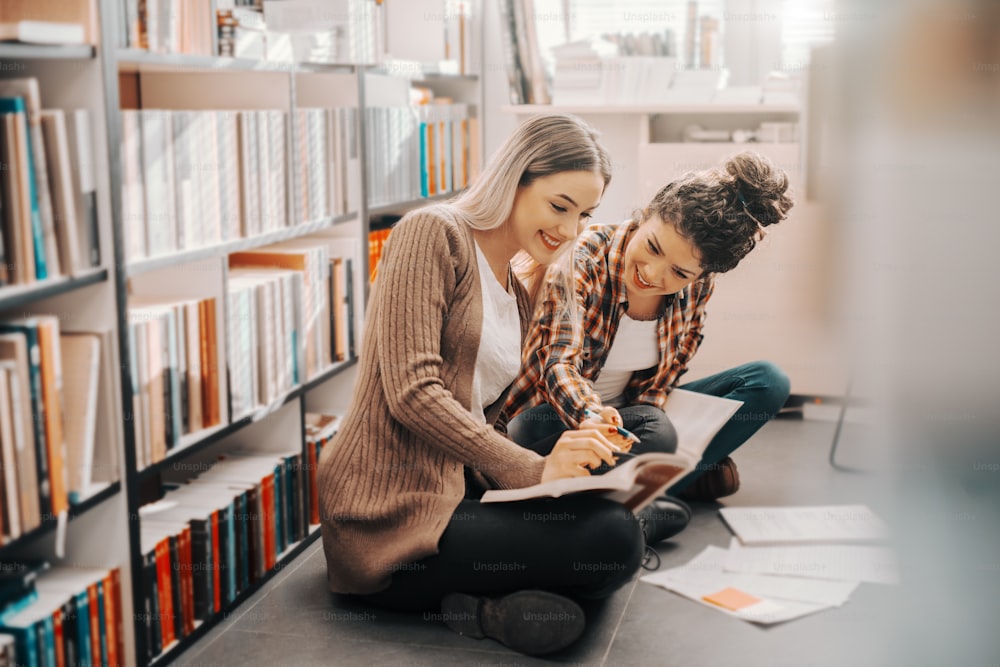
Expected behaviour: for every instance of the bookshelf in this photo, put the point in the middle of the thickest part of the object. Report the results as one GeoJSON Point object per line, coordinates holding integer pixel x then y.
{"type": "Point", "coordinates": [13, 296]}
{"type": "Point", "coordinates": [16, 51]}
{"type": "Point", "coordinates": [174, 256]}
{"type": "Point", "coordinates": [83, 298]}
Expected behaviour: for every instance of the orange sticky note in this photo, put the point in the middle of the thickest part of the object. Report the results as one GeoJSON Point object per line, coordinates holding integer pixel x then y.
{"type": "Point", "coordinates": [731, 599]}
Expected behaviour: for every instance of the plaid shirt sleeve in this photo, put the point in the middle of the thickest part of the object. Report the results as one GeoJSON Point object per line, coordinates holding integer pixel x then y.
{"type": "Point", "coordinates": [551, 369]}
{"type": "Point", "coordinates": [656, 384]}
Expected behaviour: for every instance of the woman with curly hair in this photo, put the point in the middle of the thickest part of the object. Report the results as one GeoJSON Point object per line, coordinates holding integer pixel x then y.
{"type": "Point", "coordinates": [641, 289]}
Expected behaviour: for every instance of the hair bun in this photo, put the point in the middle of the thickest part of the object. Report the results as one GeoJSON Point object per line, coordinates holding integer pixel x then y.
{"type": "Point", "coordinates": [759, 186]}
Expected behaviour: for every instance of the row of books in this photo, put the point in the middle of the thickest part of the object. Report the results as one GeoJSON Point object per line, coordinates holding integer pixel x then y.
{"type": "Point", "coordinates": [320, 429]}
{"type": "Point", "coordinates": [212, 537]}
{"type": "Point", "coordinates": [325, 31]}
{"type": "Point", "coordinates": [55, 616]}
{"type": "Point", "coordinates": [47, 189]}
{"type": "Point", "coordinates": [376, 242]}
{"type": "Point", "coordinates": [327, 162]}
{"type": "Point", "coordinates": [175, 375]}
{"type": "Point", "coordinates": [197, 178]}
{"type": "Point", "coordinates": [345, 31]}
{"type": "Point", "coordinates": [168, 26]}
{"type": "Point", "coordinates": [57, 418]}
{"type": "Point", "coordinates": [522, 57]}
{"type": "Point", "coordinates": [421, 151]}
{"type": "Point", "coordinates": [290, 316]}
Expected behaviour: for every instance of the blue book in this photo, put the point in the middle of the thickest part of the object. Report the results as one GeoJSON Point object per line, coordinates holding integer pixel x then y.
{"type": "Point", "coordinates": [240, 505]}
{"type": "Point", "coordinates": [83, 628]}
{"type": "Point", "coordinates": [424, 175]}
{"type": "Point", "coordinates": [25, 640]}
{"type": "Point", "coordinates": [16, 105]}
{"type": "Point", "coordinates": [227, 554]}
{"type": "Point", "coordinates": [47, 639]}
{"type": "Point", "coordinates": [279, 504]}
{"type": "Point", "coordinates": [102, 621]}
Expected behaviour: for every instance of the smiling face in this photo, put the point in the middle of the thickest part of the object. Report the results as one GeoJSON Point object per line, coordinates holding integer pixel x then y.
{"type": "Point", "coordinates": [659, 261]}
{"type": "Point", "coordinates": [548, 213]}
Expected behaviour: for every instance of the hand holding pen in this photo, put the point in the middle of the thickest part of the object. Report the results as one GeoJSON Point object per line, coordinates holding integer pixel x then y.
{"type": "Point", "coordinates": [609, 415]}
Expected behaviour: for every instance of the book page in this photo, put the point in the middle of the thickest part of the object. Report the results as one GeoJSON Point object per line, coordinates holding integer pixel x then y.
{"type": "Point", "coordinates": [631, 479]}
{"type": "Point", "coordinates": [697, 418]}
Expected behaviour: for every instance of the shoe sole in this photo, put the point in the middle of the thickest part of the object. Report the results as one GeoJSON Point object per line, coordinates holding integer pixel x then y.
{"type": "Point", "coordinates": [671, 520]}
{"type": "Point", "coordinates": [529, 622]}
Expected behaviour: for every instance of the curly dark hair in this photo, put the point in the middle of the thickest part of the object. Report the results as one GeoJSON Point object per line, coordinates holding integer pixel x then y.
{"type": "Point", "coordinates": [723, 211]}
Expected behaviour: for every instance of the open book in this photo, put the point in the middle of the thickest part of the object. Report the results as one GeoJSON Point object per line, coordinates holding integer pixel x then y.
{"type": "Point", "coordinates": [637, 482]}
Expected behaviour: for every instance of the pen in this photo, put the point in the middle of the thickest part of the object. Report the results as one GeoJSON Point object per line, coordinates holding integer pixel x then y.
{"type": "Point", "coordinates": [622, 432]}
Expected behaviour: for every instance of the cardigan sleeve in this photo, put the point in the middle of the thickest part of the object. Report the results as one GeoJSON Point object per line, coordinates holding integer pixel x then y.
{"type": "Point", "coordinates": [418, 277]}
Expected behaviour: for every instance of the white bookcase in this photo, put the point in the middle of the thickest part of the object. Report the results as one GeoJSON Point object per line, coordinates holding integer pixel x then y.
{"type": "Point", "coordinates": [104, 530]}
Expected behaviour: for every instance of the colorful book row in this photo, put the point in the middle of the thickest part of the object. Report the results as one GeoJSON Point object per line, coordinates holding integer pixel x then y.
{"type": "Point", "coordinates": [63, 616]}
{"type": "Point", "coordinates": [213, 536]}
{"type": "Point", "coordinates": [56, 420]}
{"type": "Point", "coordinates": [47, 189]}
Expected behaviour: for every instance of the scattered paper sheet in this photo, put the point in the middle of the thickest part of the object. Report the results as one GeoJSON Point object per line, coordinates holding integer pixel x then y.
{"type": "Point", "coordinates": [707, 570]}
{"type": "Point", "coordinates": [703, 581]}
{"type": "Point", "coordinates": [832, 562]}
{"type": "Point", "coordinates": [799, 525]}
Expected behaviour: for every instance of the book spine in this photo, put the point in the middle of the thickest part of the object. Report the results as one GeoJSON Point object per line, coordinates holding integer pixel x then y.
{"type": "Point", "coordinates": [51, 372]}
{"type": "Point", "coordinates": [102, 621]}
{"type": "Point", "coordinates": [111, 602]}
{"type": "Point", "coordinates": [30, 333]}
{"type": "Point", "coordinates": [217, 557]}
{"type": "Point", "coordinates": [201, 551]}
{"type": "Point", "coordinates": [71, 637]}
{"type": "Point", "coordinates": [176, 620]}
{"type": "Point", "coordinates": [241, 543]}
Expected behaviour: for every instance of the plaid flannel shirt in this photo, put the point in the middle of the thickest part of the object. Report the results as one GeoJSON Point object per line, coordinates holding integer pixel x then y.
{"type": "Point", "coordinates": [559, 364]}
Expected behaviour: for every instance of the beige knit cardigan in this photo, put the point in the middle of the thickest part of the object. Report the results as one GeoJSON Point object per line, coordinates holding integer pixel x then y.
{"type": "Point", "coordinates": [394, 474]}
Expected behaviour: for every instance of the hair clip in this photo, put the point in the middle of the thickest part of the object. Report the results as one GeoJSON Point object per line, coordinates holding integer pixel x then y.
{"type": "Point", "coordinates": [739, 195]}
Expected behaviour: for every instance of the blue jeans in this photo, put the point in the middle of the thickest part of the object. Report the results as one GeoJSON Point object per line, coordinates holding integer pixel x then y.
{"type": "Point", "coordinates": [761, 385]}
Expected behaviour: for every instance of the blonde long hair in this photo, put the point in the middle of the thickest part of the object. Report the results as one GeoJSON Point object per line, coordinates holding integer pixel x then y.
{"type": "Point", "coordinates": [541, 146]}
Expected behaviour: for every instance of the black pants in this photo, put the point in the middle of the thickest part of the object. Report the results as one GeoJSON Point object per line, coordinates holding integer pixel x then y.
{"type": "Point", "coordinates": [580, 546]}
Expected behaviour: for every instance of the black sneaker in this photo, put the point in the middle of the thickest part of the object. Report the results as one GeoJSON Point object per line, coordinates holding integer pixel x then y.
{"type": "Point", "coordinates": [663, 518]}
{"type": "Point", "coordinates": [530, 622]}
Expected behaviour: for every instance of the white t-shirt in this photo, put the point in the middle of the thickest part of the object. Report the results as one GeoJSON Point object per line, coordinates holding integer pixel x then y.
{"type": "Point", "coordinates": [636, 347]}
{"type": "Point", "coordinates": [499, 358]}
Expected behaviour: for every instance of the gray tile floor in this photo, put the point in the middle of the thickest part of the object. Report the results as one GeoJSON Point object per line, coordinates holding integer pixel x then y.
{"type": "Point", "coordinates": [294, 621]}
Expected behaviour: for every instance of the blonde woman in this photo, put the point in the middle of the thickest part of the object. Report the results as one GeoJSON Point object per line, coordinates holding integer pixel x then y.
{"type": "Point", "coordinates": [399, 485]}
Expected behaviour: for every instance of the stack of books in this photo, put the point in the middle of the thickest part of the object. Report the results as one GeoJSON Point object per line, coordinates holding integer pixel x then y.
{"type": "Point", "coordinates": [176, 384]}
{"type": "Point", "coordinates": [48, 194]}
{"type": "Point", "coordinates": [60, 615]}
{"type": "Point", "coordinates": [215, 535]}
{"type": "Point", "coordinates": [54, 391]}
{"type": "Point", "coordinates": [308, 279]}
{"type": "Point", "coordinates": [320, 429]}
{"type": "Point", "coordinates": [426, 151]}
{"type": "Point", "coordinates": [198, 178]}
